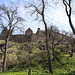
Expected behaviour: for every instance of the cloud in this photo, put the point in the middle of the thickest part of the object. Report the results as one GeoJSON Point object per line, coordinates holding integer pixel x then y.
{"type": "Point", "coordinates": [57, 15]}
{"type": "Point", "coordinates": [53, 14]}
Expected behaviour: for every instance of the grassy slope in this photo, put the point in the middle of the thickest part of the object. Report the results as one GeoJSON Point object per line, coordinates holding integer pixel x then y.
{"type": "Point", "coordinates": [23, 73]}
{"type": "Point", "coordinates": [65, 66]}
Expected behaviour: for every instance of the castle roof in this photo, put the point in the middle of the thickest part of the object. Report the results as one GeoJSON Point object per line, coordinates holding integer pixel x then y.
{"type": "Point", "coordinates": [29, 29]}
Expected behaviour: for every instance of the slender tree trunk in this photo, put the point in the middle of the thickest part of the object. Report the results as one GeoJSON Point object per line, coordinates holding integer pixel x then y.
{"type": "Point", "coordinates": [29, 72]}
{"type": "Point", "coordinates": [67, 4]}
{"type": "Point", "coordinates": [49, 57]}
{"type": "Point", "coordinates": [47, 46]}
{"type": "Point", "coordinates": [5, 55]}
{"type": "Point", "coordinates": [71, 25]}
{"type": "Point", "coordinates": [53, 54]}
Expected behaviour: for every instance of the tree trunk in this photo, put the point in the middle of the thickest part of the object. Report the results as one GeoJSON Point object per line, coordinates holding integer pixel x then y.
{"type": "Point", "coordinates": [67, 4]}
{"type": "Point", "coordinates": [53, 54]}
{"type": "Point", "coordinates": [29, 72]}
{"type": "Point", "coordinates": [5, 55]}
{"type": "Point", "coordinates": [49, 56]}
{"type": "Point", "coordinates": [71, 25]}
{"type": "Point", "coordinates": [47, 46]}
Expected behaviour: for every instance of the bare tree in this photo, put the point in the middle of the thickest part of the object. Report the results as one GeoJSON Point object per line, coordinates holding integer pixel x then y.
{"type": "Point", "coordinates": [40, 12]}
{"type": "Point", "coordinates": [8, 16]}
{"type": "Point", "coordinates": [70, 44]}
{"type": "Point", "coordinates": [29, 49]}
{"type": "Point", "coordinates": [67, 4]}
{"type": "Point", "coordinates": [55, 38]}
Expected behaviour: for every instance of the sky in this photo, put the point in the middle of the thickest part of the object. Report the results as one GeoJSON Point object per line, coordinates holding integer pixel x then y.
{"type": "Point", "coordinates": [54, 14]}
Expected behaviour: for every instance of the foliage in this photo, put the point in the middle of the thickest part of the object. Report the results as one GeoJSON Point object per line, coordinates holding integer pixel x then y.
{"type": "Point", "coordinates": [17, 60]}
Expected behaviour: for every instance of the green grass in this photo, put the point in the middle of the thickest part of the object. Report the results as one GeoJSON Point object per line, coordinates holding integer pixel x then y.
{"type": "Point", "coordinates": [35, 73]}
{"type": "Point", "coordinates": [23, 73]}
{"type": "Point", "coordinates": [64, 65]}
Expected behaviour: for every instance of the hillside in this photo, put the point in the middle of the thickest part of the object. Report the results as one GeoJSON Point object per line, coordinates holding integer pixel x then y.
{"type": "Point", "coordinates": [20, 55]}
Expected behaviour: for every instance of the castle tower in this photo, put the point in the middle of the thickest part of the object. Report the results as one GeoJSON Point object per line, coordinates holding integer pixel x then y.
{"type": "Point", "coordinates": [29, 32]}
{"type": "Point", "coordinates": [4, 31]}
{"type": "Point", "coordinates": [12, 32]}
{"type": "Point", "coordinates": [38, 32]}
{"type": "Point", "coordinates": [28, 35]}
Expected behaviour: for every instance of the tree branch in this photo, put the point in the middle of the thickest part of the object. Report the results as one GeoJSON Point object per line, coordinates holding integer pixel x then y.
{"type": "Point", "coordinates": [4, 17]}
{"type": "Point", "coordinates": [65, 7]}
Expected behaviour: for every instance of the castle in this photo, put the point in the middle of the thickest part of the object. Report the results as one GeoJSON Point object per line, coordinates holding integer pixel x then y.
{"type": "Point", "coordinates": [29, 36]}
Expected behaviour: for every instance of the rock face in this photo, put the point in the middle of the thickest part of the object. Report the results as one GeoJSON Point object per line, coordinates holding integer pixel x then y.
{"type": "Point", "coordinates": [28, 37]}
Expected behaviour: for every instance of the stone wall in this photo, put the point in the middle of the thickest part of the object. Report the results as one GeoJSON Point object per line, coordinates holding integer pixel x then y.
{"type": "Point", "coordinates": [37, 37]}
{"type": "Point", "coordinates": [17, 38]}
{"type": "Point", "coordinates": [28, 37]}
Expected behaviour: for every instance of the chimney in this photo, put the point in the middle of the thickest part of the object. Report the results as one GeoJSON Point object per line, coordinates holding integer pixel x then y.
{"type": "Point", "coordinates": [38, 32]}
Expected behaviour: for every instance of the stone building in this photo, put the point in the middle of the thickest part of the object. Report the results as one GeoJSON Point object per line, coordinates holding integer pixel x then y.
{"type": "Point", "coordinates": [28, 37]}
{"type": "Point", "coordinates": [5, 31]}
{"type": "Point", "coordinates": [28, 32]}
{"type": "Point", "coordinates": [38, 32]}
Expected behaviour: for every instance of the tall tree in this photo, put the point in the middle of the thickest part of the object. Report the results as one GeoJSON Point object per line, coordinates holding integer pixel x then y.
{"type": "Point", "coordinates": [55, 39]}
{"type": "Point", "coordinates": [29, 49]}
{"type": "Point", "coordinates": [40, 12]}
{"type": "Point", "coordinates": [8, 18]}
{"type": "Point", "coordinates": [70, 44]}
{"type": "Point", "coordinates": [67, 4]}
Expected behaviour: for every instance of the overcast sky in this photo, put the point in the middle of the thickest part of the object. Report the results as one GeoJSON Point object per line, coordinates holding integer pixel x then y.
{"type": "Point", "coordinates": [54, 13]}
